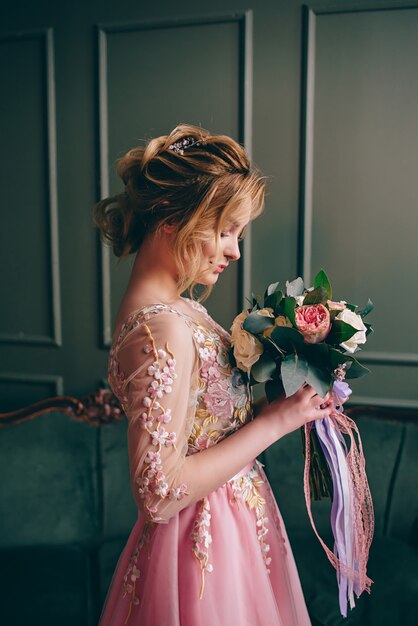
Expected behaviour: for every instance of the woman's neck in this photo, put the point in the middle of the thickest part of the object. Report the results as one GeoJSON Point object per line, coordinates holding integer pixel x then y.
{"type": "Point", "coordinates": [153, 274]}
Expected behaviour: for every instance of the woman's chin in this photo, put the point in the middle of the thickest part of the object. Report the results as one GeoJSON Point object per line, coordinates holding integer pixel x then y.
{"type": "Point", "coordinates": [209, 278]}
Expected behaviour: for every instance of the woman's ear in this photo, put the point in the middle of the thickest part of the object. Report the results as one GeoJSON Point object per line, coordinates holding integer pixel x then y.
{"type": "Point", "coordinates": [169, 228]}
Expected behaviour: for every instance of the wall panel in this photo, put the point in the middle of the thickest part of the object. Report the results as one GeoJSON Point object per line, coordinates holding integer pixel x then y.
{"type": "Point", "coordinates": [359, 196]}
{"type": "Point", "coordinates": [152, 77]}
{"type": "Point", "coordinates": [29, 238]}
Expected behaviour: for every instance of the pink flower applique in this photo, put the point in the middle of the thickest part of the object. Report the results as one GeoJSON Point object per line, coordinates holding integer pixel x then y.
{"type": "Point", "coordinates": [163, 438]}
{"type": "Point", "coordinates": [199, 336]}
{"type": "Point", "coordinates": [202, 538]}
{"type": "Point", "coordinates": [178, 493]}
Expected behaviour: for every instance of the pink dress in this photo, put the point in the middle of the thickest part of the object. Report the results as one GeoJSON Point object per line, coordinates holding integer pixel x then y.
{"type": "Point", "coordinates": [224, 559]}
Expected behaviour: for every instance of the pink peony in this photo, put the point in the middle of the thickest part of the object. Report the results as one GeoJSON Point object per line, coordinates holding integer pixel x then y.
{"type": "Point", "coordinates": [313, 321]}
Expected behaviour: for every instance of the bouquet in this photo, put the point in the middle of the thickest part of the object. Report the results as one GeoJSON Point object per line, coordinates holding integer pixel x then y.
{"type": "Point", "coordinates": [299, 337]}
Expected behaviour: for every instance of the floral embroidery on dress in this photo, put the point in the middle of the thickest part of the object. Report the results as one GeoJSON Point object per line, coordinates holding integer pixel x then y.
{"type": "Point", "coordinates": [202, 539]}
{"type": "Point", "coordinates": [224, 401]}
{"type": "Point", "coordinates": [247, 489]}
{"type": "Point", "coordinates": [152, 480]}
{"type": "Point", "coordinates": [132, 572]}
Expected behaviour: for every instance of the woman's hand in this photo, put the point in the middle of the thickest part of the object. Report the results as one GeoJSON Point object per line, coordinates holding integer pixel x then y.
{"type": "Point", "coordinates": [288, 414]}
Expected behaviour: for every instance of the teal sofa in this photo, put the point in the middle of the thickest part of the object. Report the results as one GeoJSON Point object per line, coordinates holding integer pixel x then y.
{"type": "Point", "coordinates": [66, 511]}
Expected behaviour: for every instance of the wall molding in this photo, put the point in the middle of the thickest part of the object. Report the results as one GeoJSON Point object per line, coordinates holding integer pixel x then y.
{"type": "Point", "coordinates": [383, 402]}
{"type": "Point", "coordinates": [244, 21]}
{"type": "Point", "coordinates": [304, 264]}
{"type": "Point", "coordinates": [57, 382]}
{"type": "Point", "coordinates": [22, 338]}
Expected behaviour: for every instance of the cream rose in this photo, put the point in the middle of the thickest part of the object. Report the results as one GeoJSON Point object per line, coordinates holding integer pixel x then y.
{"type": "Point", "coordinates": [354, 320]}
{"type": "Point", "coordinates": [247, 348]}
{"type": "Point", "coordinates": [267, 312]}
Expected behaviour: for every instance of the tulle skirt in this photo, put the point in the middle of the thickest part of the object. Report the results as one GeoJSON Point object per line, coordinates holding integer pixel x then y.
{"type": "Point", "coordinates": [225, 560]}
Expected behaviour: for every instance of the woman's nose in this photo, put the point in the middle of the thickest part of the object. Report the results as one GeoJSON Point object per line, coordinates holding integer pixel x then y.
{"type": "Point", "coordinates": [232, 251]}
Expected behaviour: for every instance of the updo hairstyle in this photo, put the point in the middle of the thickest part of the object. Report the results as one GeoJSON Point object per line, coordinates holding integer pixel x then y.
{"type": "Point", "coordinates": [199, 189]}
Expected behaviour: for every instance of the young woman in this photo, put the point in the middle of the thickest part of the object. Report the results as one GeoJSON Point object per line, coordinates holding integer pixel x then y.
{"type": "Point", "coordinates": [209, 547]}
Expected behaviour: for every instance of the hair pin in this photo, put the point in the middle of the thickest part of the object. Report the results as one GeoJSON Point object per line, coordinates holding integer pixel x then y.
{"type": "Point", "coordinates": [180, 146]}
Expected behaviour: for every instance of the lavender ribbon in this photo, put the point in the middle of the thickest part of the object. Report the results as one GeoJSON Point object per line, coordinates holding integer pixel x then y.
{"type": "Point", "coordinates": [333, 445]}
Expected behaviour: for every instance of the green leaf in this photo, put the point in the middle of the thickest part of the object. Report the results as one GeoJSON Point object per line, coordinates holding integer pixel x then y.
{"type": "Point", "coordinates": [287, 339]}
{"type": "Point", "coordinates": [319, 379]}
{"type": "Point", "coordinates": [293, 371]}
{"type": "Point", "coordinates": [318, 354]}
{"type": "Point", "coordinates": [295, 287]}
{"type": "Point", "coordinates": [264, 368]}
{"type": "Point", "coordinates": [289, 304]}
{"type": "Point", "coordinates": [356, 370]}
{"type": "Point", "coordinates": [352, 307]}
{"type": "Point", "coordinates": [336, 358]}
{"type": "Point", "coordinates": [255, 323]}
{"type": "Point", "coordinates": [369, 307]}
{"type": "Point", "coordinates": [340, 331]}
{"type": "Point", "coordinates": [273, 300]}
{"type": "Point", "coordinates": [369, 329]}
{"type": "Point", "coordinates": [274, 389]}
{"type": "Point", "coordinates": [322, 280]}
{"type": "Point", "coordinates": [316, 296]}
{"type": "Point", "coordinates": [255, 300]}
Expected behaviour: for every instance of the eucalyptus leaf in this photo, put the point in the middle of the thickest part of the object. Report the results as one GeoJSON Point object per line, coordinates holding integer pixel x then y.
{"type": "Point", "coordinates": [256, 323]}
{"type": "Point", "coordinates": [264, 368]}
{"type": "Point", "coordinates": [322, 280]}
{"type": "Point", "coordinates": [293, 371]}
{"type": "Point", "coordinates": [369, 307]}
{"type": "Point", "coordinates": [316, 296]}
{"type": "Point", "coordinates": [319, 379]}
{"type": "Point", "coordinates": [289, 304]}
{"type": "Point", "coordinates": [295, 287]}
{"type": "Point", "coordinates": [288, 339]}
{"type": "Point", "coordinates": [340, 331]}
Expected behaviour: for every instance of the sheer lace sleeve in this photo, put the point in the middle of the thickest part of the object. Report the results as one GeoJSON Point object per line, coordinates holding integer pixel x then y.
{"type": "Point", "coordinates": [158, 361]}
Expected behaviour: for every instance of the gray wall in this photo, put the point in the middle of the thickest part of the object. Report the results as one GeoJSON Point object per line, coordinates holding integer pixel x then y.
{"type": "Point", "coordinates": [325, 98]}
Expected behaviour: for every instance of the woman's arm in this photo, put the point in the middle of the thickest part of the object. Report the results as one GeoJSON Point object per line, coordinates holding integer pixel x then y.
{"type": "Point", "coordinates": [211, 468]}
{"type": "Point", "coordinates": [158, 361]}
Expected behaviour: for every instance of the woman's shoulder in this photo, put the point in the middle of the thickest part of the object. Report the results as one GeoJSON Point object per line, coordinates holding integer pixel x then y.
{"type": "Point", "coordinates": [158, 314]}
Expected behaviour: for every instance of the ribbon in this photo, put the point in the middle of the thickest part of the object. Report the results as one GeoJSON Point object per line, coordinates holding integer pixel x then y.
{"type": "Point", "coordinates": [352, 518]}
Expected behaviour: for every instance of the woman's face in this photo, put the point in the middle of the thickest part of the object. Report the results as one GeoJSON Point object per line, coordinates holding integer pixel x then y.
{"type": "Point", "coordinates": [229, 237]}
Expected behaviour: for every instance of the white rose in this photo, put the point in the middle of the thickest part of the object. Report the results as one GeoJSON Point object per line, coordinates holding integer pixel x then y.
{"type": "Point", "coordinates": [247, 348]}
{"type": "Point", "coordinates": [355, 321]}
{"type": "Point", "coordinates": [299, 300]}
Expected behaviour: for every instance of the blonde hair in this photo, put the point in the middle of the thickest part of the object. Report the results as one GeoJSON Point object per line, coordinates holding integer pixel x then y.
{"type": "Point", "coordinates": [199, 189]}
